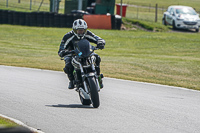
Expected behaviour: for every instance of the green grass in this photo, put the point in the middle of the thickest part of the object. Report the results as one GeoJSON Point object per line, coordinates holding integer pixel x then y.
{"type": "Point", "coordinates": [6, 122]}
{"type": "Point", "coordinates": [158, 57]}
{"type": "Point", "coordinates": [151, 26]}
{"type": "Point", "coordinates": [163, 3]}
{"type": "Point", "coordinates": [144, 14]}
{"type": "Point", "coordinates": [24, 5]}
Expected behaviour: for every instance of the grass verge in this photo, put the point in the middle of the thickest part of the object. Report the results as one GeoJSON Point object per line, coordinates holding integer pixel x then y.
{"type": "Point", "coordinates": [151, 26]}
{"type": "Point", "coordinates": [156, 57]}
{"type": "Point", "coordinates": [6, 122]}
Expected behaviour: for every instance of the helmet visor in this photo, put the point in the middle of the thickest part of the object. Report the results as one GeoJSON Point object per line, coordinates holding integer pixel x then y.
{"type": "Point", "coordinates": [80, 32]}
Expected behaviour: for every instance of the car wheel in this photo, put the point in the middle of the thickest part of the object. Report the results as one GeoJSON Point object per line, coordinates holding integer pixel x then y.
{"type": "Point", "coordinates": [164, 21]}
{"type": "Point", "coordinates": [174, 25]}
{"type": "Point", "coordinates": [197, 30]}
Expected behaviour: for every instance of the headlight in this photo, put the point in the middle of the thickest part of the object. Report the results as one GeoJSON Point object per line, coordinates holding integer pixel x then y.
{"type": "Point", "coordinates": [195, 19]}
{"type": "Point", "coordinates": [179, 17]}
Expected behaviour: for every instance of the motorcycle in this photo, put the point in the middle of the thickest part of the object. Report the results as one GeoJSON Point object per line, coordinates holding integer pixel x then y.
{"type": "Point", "coordinates": [86, 80]}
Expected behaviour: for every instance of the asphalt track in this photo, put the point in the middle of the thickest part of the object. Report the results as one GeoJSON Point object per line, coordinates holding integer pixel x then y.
{"type": "Point", "coordinates": [40, 99]}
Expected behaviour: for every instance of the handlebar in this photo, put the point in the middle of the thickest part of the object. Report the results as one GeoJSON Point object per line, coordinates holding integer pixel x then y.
{"type": "Point", "coordinates": [77, 52]}
{"type": "Point", "coordinates": [69, 52]}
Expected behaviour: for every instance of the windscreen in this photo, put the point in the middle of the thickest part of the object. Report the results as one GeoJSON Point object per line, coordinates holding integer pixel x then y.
{"type": "Point", "coordinates": [84, 47]}
{"type": "Point", "coordinates": [189, 11]}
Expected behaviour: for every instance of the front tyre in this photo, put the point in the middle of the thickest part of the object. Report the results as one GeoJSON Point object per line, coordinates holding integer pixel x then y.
{"type": "Point", "coordinates": [93, 92]}
{"type": "Point", "coordinates": [174, 25]}
{"type": "Point", "coordinates": [164, 21]}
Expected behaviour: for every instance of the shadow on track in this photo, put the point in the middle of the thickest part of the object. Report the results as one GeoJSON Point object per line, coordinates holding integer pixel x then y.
{"type": "Point", "coordinates": [70, 106]}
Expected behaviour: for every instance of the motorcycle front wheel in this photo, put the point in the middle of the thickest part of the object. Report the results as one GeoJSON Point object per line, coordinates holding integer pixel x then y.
{"type": "Point", "coordinates": [93, 92]}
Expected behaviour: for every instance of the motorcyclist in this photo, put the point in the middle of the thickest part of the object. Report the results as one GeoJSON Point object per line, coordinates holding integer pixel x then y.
{"type": "Point", "coordinates": [69, 42]}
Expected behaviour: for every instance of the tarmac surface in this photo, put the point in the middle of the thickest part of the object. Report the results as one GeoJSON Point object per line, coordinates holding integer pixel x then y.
{"type": "Point", "coordinates": [40, 99]}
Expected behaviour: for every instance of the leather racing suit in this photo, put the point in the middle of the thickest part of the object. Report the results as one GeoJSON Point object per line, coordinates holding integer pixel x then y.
{"type": "Point", "coordinates": [69, 42]}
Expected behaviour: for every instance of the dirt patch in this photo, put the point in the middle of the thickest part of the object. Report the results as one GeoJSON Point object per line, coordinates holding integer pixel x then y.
{"type": "Point", "coordinates": [129, 26]}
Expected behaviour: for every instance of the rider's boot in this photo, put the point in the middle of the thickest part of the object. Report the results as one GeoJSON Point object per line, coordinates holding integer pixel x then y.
{"type": "Point", "coordinates": [71, 78]}
{"type": "Point", "coordinates": [71, 81]}
{"type": "Point", "coordinates": [100, 81]}
{"type": "Point", "coordinates": [100, 76]}
{"type": "Point", "coordinates": [71, 84]}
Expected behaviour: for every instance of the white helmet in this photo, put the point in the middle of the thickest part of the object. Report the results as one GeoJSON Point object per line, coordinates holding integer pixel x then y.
{"type": "Point", "coordinates": [79, 24]}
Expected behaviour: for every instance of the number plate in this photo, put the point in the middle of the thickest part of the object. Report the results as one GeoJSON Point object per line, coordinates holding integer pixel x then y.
{"type": "Point", "coordinates": [190, 27]}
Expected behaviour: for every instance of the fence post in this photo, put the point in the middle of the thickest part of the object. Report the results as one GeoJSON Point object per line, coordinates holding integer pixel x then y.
{"type": "Point", "coordinates": [121, 9]}
{"type": "Point", "coordinates": [156, 13]}
{"type": "Point", "coordinates": [40, 5]}
{"type": "Point", "coordinates": [30, 4]}
{"type": "Point", "coordinates": [80, 3]}
{"type": "Point", "coordinates": [6, 3]}
{"type": "Point", "coordinates": [149, 7]}
{"type": "Point", "coordinates": [137, 12]}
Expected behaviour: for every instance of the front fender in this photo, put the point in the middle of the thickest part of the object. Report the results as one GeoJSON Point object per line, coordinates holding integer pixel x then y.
{"type": "Point", "coordinates": [90, 74]}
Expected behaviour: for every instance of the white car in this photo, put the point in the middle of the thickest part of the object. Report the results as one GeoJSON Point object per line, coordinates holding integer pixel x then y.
{"type": "Point", "coordinates": [182, 17]}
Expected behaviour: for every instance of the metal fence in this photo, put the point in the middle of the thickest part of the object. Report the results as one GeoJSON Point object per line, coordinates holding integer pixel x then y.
{"type": "Point", "coordinates": [29, 5]}
{"type": "Point", "coordinates": [147, 12]}
{"type": "Point", "coordinates": [141, 11]}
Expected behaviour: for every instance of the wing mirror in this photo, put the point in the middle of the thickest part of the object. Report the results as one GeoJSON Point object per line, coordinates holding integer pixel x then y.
{"type": "Point", "coordinates": [172, 13]}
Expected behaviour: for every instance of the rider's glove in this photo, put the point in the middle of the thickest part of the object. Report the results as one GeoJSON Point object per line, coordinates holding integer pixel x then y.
{"type": "Point", "coordinates": [62, 53]}
{"type": "Point", "coordinates": [100, 44]}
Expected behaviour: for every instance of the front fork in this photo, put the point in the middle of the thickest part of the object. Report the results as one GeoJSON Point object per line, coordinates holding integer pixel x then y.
{"type": "Point", "coordinates": [83, 76]}
{"type": "Point", "coordinates": [96, 77]}
{"type": "Point", "coordinates": [83, 79]}
{"type": "Point", "coordinates": [94, 74]}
